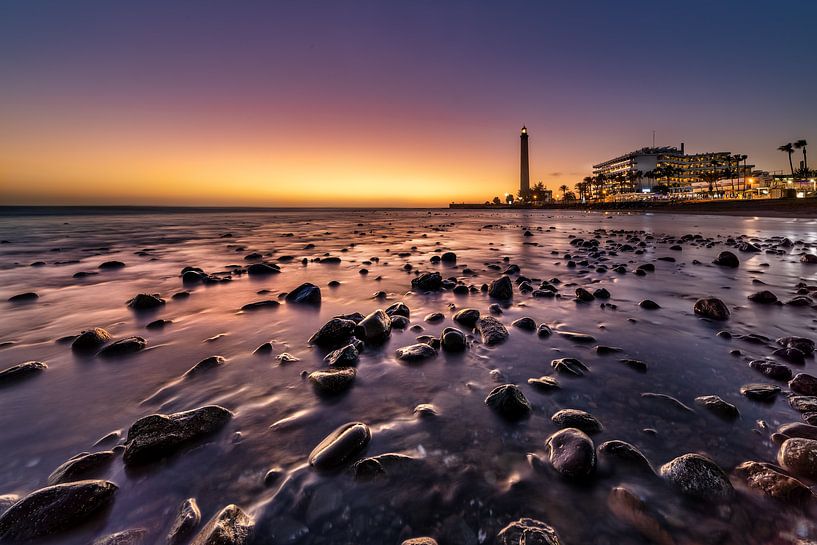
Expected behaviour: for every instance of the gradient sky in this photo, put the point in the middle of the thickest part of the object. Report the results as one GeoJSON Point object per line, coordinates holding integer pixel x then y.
{"type": "Point", "coordinates": [382, 103]}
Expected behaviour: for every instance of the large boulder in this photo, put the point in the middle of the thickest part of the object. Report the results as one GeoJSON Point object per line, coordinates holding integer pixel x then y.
{"type": "Point", "coordinates": [55, 509]}
{"type": "Point", "coordinates": [305, 294]}
{"type": "Point", "coordinates": [712, 308]}
{"type": "Point", "coordinates": [799, 456]}
{"type": "Point", "coordinates": [698, 477]}
{"type": "Point", "coordinates": [509, 402]}
{"type": "Point", "coordinates": [82, 467]}
{"type": "Point", "coordinates": [727, 259]}
{"type": "Point", "coordinates": [341, 446]}
{"type": "Point", "coordinates": [375, 328]}
{"type": "Point", "coordinates": [231, 526]}
{"type": "Point", "coordinates": [772, 482]}
{"type": "Point", "coordinates": [528, 531]}
{"type": "Point", "coordinates": [491, 330]}
{"type": "Point", "coordinates": [90, 340]}
{"type": "Point", "coordinates": [430, 281]}
{"type": "Point", "coordinates": [572, 453]}
{"type": "Point", "coordinates": [158, 435]}
{"type": "Point", "coordinates": [502, 288]}
{"type": "Point", "coordinates": [335, 333]}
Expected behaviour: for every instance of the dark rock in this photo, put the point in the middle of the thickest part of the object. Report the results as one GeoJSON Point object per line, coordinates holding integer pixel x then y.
{"type": "Point", "coordinates": [205, 365]}
{"type": "Point", "coordinates": [111, 265]}
{"type": "Point", "coordinates": [803, 404]}
{"type": "Point", "coordinates": [570, 366]}
{"type": "Point", "coordinates": [491, 331]}
{"type": "Point", "coordinates": [799, 457]}
{"type": "Point", "coordinates": [712, 308]}
{"type": "Point", "coordinates": [806, 346]}
{"type": "Point", "coordinates": [543, 331]}
{"type": "Point", "coordinates": [775, 371]}
{"type": "Point", "coordinates": [82, 467]}
{"type": "Point", "coordinates": [760, 392]}
{"type": "Point", "coordinates": [773, 483]}
{"type": "Point", "coordinates": [624, 453]}
{"type": "Point", "coordinates": [698, 477]}
{"type": "Point", "coordinates": [574, 418]}
{"type": "Point", "coordinates": [584, 296]}
{"type": "Point", "coordinates": [453, 340]}
{"type": "Point", "coordinates": [333, 334]}
{"type": "Point", "coordinates": [449, 257]}
{"type": "Point", "coordinates": [145, 301]}
{"type": "Point", "coordinates": [791, 355]}
{"type": "Point", "coordinates": [347, 355]}
{"type": "Point", "coordinates": [467, 317]}
{"type": "Point", "coordinates": [260, 305]}
{"type": "Point", "coordinates": [764, 297]}
{"type": "Point", "coordinates": [509, 402]}
{"type": "Point", "coordinates": [604, 350]}
{"type": "Point", "coordinates": [636, 365]}
{"type": "Point", "coordinates": [648, 304]}
{"type": "Point", "coordinates": [23, 297]}
{"type": "Point", "coordinates": [375, 328]}
{"type": "Point", "coordinates": [544, 383]}
{"type": "Point", "coordinates": [432, 281]}
{"type": "Point", "coordinates": [727, 259]}
{"type": "Point", "coordinates": [158, 324]}
{"type": "Point", "coordinates": [718, 406]}
{"type": "Point", "coordinates": [525, 324]}
{"type": "Point", "coordinates": [123, 347]}
{"type": "Point", "coordinates": [231, 526]}
{"type": "Point", "coordinates": [263, 269]}
{"type": "Point", "coordinates": [21, 371]}
{"type": "Point", "coordinates": [572, 453]}
{"type": "Point", "coordinates": [502, 288]}
{"type": "Point", "coordinates": [434, 317]}
{"type": "Point", "coordinates": [398, 309]}
{"type": "Point", "coordinates": [581, 338]}
{"type": "Point", "coordinates": [798, 429]}
{"type": "Point", "coordinates": [187, 519]}
{"type": "Point", "coordinates": [527, 531]}
{"type": "Point", "coordinates": [333, 381]}
{"type": "Point", "coordinates": [341, 446]}
{"type": "Point", "coordinates": [55, 509]}
{"type": "Point", "coordinates": [808, 258]}
{"type": "Point", "coordinates": [305, 294]}
{"type": "Point", "coordinates": [158, 435]}
{"type": "Point", "coordinates": [601, 293]}
{"type": "Point", "coordinates": [134, 536]}
{"type": "Point", "coordinates": [803, 383]}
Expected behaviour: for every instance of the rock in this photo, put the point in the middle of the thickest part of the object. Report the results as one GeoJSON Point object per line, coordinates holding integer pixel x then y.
{"type": "Point", "coordinates": [545, 383]}
{"type": "Point", "coordinates": [748, 247]}
{"type": "Point", "coordinates": [799, 456]}
{"type": "Point", "coordinates": [432, 281]}
{"type": "Point", "coordinates": [453, 340]}
{"type": "Point", "coordinates": [158, 324]}
{"type": "Point", "coordinates": [574, 418]}
{"type": "Point", "coordinates": [145, 301]}
{"type": "Point", "coordinates": [698, 477]}
{"type": "Point", "coordinates": [776, 371]}
{"type": "Point", "coordinates": [570, 366]}
{"type": "Point", "coordinates": [111, 265]}
{"type": "Point", "coordinates": [543, 331]}
{"type": "Point", "coordinates": [491, 331]}
{"type": "Point", "coordinates": [791, 355]}
{"type": "Point", "coordinates": [260, 305]}
{"type": "Point", "coordinates": [286, 357]}
{"type": "Point", "coordinates": [263, 269]}
{"type": "Point", "coordinates": [633, 511]}
{"type": "Point", "coordinates": [764, 297]}
{"type": "Point", "coordinates": [727, 259]}
{"type": "Point", "coordinates": [134, 536]}
{"type": "Point", "coordinates": [158, 435]}
{"type": "Point", "coordinates": [345, 356]}
{"type": "Point", "coordinates": [806, 346]}
{"type": "Point", "coordinates": [231, 526]}
{"type": "Point", "coordinates": [341, 446]}
{"type": "Point", "coordinates": [90, 340]}
{"type": "Point", "coordinates": [434, 317]}
{"type": "Point", "coordinates": [712, 308]}
{"type": "Point", "coordinates": [55, 509]}
{"type": "Point", "coordinates": [333, 381]}
{"type": "Point", "coordinates": [774, 483]}
{"type": "Point", "coordinates": [624, 453]}
{"type": "Point", "coordinates": [509, 402]}
{"type": "Point", "coordinates": [81, 467]}
{"type": "Point", "coordinates": [305, 294]}
{"type": "Point", "coordinates": [502, 288]}
{"type": "Point", "coordinates": [636, 365]}
{"type": "Point", "coordinates": [572, 453]}
{"type": "Point", "coordinates": [525, 324]}
{"type": "Point", "coordinates": [187, 519]}
{"type": "Point", "coordinates": [334, 334]}
{"type": "Point", "coordinates": [23, 297]}
{"type": "Point", "coordinates": [718, 406]}
{"type": "Point", "coordinates": [375, 328]}
{"type": "Point", "coordinates": [527, 531]}
{"type": "Point", "coordinates": [467, 317]}
{"type": "Point", "coordinates": [584, 296]}
{"type": "Point", "coordinates": [123, 347]}
{"type": "Point", "coordinates": [420, 541]}
{"type": "Point", "coordinates": [21, 371]}
{"type": "Point", "coordinates": [449, 257]}
{"type": "Point", "coordinates": [808, 258]}
{"type": "Point", "coordinates": [398, 309]}
{"type": "Point", "coordinates": [648, 304]}
{"type": "Point", "coordinates": [581, 338]}
{"type": "Point", "coordinates": [804, 404]}
{"type": "Point", "coordinates": [601, 293]}
{"type": "Point", "coordinates": [798, 429]}
{"type": "Point", "coordinates": [760, 392]}
{"type": "Point", "coordinates": [205, 365]}
{"type": "Point", "coordinates": [803, 383]}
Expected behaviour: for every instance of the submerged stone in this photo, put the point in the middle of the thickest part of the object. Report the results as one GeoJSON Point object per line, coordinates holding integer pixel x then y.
{"type": "Point", "coordinates": [341, 446]}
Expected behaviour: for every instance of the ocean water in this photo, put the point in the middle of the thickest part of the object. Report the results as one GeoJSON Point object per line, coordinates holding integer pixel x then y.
{"type": "Point", "coordinates": [474, 472]}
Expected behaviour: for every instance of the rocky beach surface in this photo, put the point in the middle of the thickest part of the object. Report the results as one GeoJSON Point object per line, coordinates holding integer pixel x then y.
{"type": "Point", "coordinates": [409, 377]}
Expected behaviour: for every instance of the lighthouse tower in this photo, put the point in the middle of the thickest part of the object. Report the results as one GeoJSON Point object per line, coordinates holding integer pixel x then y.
{"type": "Point", "coordinates": [524, 171]}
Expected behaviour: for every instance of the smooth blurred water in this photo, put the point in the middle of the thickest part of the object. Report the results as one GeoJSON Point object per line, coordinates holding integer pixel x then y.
{"type": "Point", "coordinates": [474, 476]}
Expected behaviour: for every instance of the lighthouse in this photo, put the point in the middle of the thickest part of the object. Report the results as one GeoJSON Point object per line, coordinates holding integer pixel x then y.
{"type": "Point", "coordinates": [524, 170]}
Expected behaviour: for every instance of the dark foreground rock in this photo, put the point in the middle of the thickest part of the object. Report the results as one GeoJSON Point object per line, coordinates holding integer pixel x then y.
{"type": "Point", "coordinates": [187, 519]}
{"type": "Point", "coordinates": [375, 328]}
{"type": "Point", "coordinates": [90, 340]}
{"type": "Point", "coordinates": [528, 531]}
{"type": "Point", "coordinates": [727, 259]}
{"type": "Point", "coordinates": [55, 509]}
{"type": "Point", "coordinates": [508, 401]}
{"type": "Point", "coordinates": [799, 456]}
{"type": "Point", "coordinates": [712, 308]}
{"type": "Point", "coordinates": [621, 453]}
{"type": "Point", "coordinates": [341, 446]}
{"type": "Point", "coordinates": [134, 536]}
{"type": "Point", "coordinates": [491, 330]}
{"type": "Point", "coordinates": [415, 353]}
{"type": "Point", "coordinates": [772, 482]}
{"type": "Point", "coordinates": [333, 381]}
{"type": "Point", "coordinates": [698, 477]}
{"type": "Point", "coordinates": [231, 526]}
{"type": "Point", "coordinates": [21, 371]}
{"type": "Point", "coordinates": [145, 301]}
{"type": "Point", "coordinates": [159, 435]}
{"type": "Point", "coordinates": [334, 334]}
{"type": "Point", "coordinates": [123, 347]}
{"type": "Point", "coordinates": [428, 282]}
{"type": "Point", "coordinates": [572, 453]}
{"type": "Point", "coordinates": [82, 467]}
{"type": "Point", "coordinates": [501, 288]}
{"type": "Point", "coordinates": [305, 294]}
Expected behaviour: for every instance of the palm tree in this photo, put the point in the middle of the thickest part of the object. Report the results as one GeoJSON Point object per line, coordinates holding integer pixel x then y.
{"type": "Point", "coordinates": [598, 182]}
{"type": "Point", "coordinates": [801, 144]}
{"type": "Point", "coordinates": [788, 148]}
{"type": "Point", "coordinates": [738, 158]}
{"type": "Point", "coordinates": [563, 188]}
{"type": "Point", "coordinates": [589, 182]}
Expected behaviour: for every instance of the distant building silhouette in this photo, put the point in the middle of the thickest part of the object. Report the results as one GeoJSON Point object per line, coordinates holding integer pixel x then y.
{"type": "Point", "coordinates": [524, 170]}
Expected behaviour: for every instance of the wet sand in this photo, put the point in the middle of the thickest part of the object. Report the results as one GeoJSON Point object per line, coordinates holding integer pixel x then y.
{"type": "Point", "coordinates": [465, 469]}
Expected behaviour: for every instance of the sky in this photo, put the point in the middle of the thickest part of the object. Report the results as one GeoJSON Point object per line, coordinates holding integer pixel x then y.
{"type": "Point", "coordinates": [405, 103]}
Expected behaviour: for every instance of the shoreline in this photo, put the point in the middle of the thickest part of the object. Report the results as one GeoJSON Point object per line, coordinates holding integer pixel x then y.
{"type": "Point", "coordinates": [768, 208]}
